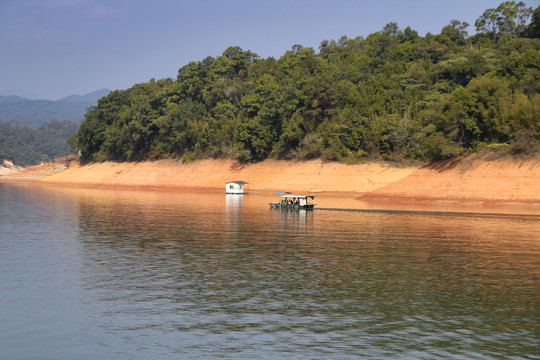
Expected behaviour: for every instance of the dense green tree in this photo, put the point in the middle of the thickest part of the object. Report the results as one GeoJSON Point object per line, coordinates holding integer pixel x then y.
{"type": "Point", "coordinates": [533, 30]}
{"type": "Point", "coordinates": [26, 146]}
{"type": "Point", "coordinates": [392, 95]}
{"type": "Point", "coordinates": [463, 67]}
{"type": "Point", "coordinates": [456, 31]}
{"type": "Point", "coordinates": [508, 18]}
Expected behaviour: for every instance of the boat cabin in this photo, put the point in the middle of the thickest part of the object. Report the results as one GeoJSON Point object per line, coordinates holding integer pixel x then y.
{"type": "Point", "coordinates": [295, 202]}
{"type": "Point", "coordinates": [236, 187]}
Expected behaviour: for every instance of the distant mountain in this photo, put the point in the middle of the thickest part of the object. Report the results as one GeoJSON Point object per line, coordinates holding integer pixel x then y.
{"type": "Point", "coordinates": [21, 93]}
{"type": "Point", "coordinates": [33, 113]}
{"type": "Point", "coordinates": [92, 97]}
{"type": "Point", "coordinates": [10, 99]}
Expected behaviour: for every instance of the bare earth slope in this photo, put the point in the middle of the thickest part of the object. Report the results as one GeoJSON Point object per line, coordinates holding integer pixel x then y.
{"type": "Point", "coordinates": [507, 180]}
{"type": "Point", "coordinates": [466, 179]}
{"type": "Point", "coordinates": [270, 175]}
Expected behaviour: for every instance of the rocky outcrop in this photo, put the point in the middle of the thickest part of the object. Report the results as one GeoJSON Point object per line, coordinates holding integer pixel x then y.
{"type": "Point", "coordinates": [7, 167]}
{"type": "Point", "coordinates": [35, 173]}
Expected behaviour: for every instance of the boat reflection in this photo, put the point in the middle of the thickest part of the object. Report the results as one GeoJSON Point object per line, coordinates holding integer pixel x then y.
{"type": "Point", "coordinates": [234, 202]}
{"type": "Point", "coordinates": [293, 218]}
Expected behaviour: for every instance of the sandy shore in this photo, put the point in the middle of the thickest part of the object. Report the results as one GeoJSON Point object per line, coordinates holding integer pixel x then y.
{"type": "Point", "coordinates": [464, 180]}
{"type": "Point", "coordinates": [502, 180]}
{"type": "Point", "coordinates": [270, 175]}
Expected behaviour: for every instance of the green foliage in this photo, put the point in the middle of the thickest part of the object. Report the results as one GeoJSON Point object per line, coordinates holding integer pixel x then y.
{"type": "Point", "coordinates": [507, 18]}
{"type": "Point", "coordinates": [456, 32]}
{"type": "Point", "coordinates": [26, 146]}
{"type": "Point", "coordinates": [462, 68]}
{"type": "Point", "coordinates": [533, 30]}
{"type": "Point", "coordinates": [392, 95]}
{"type": "Point", "coordinates": [525, 142]}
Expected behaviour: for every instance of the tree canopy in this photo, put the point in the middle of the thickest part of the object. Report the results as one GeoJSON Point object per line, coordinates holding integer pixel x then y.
{"type": "Point", "coordinates": [392, 95]}
{"type": "Point", "coordinates": [26, 146]}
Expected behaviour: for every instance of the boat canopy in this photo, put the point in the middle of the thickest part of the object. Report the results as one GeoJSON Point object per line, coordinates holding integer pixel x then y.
{"type": "Point", "coordinates": [297, 196]}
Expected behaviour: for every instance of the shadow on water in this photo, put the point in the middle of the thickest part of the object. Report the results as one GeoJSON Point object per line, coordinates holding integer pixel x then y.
{"type": "Point", "coordinates": [428, 212]}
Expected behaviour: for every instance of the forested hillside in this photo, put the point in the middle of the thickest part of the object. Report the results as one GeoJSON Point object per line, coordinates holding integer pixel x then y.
{"type": "Point", "coordinates": [392, 95]}
{"type": "Point", "coordinates": [26, 146]}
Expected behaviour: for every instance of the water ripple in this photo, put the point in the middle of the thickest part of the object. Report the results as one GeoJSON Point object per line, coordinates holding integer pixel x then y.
{"type": "Point", "coordinates": [106, 274]}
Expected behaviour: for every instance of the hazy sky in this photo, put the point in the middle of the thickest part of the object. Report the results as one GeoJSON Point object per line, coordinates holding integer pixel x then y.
{"type": "Point", "coordinates": [53, 48]}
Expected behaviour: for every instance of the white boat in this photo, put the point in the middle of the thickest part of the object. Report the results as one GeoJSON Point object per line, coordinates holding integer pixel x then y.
{"type": "Point", "coordinates": [294, 202]}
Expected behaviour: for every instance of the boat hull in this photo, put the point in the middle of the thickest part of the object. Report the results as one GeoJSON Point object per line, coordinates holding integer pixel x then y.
{"type": "Point", "coordinates": [280, 206]}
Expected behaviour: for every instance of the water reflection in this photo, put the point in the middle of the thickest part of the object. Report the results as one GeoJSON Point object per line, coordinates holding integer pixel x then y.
{"type": "Point", "coordinates": [293, 221]}
{"type": "Point", "coordinates": [208, 276]}
{"type": "Point", "coordinates": [234, 202]}
{"type": "Point", "coordinates": [231, 277]}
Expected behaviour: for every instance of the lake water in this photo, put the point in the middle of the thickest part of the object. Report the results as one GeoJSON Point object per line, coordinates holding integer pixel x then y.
{"type": "Point", "coordinates": [104, 274]}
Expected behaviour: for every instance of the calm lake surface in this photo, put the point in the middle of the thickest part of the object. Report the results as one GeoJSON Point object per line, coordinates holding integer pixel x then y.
{"type": "Point", "coordinates": [103, 274]}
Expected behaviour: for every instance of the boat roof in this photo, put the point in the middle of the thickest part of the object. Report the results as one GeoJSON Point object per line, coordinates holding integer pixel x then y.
{"type": "Point", "coordinates": [297, 196]}
{"type": "Point", "coordinates": [238, 182]}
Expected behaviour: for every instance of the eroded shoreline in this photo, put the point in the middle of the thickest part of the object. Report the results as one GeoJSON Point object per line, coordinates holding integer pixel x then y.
{"type": "Point", "coordinates": [504, 181]}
